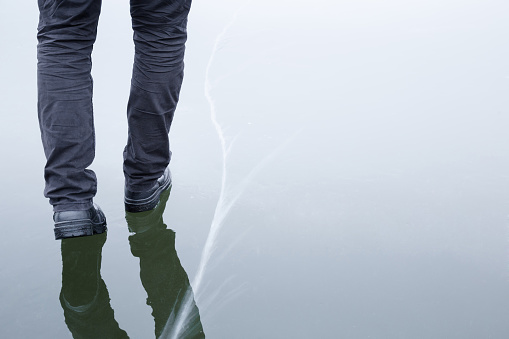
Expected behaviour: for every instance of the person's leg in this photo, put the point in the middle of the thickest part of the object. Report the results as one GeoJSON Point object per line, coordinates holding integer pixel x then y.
{"type": "Point", "coordinates": [159, 37]}
{"type": "Point", "coordinates": [66, 34]}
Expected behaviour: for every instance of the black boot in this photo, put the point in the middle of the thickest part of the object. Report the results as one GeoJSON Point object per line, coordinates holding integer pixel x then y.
{"type": "Point", "coordinates": [71, 224]}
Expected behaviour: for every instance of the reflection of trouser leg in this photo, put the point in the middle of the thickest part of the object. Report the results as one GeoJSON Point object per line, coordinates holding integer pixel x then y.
{"type": "Point", "coordinates": [84, 296]}
{"type": "Point", "coordinates": [165, 280]}
{"type": "Point", "coordinates": [66, 34]}
{"type": "Point", "coordinates": [159, 37]}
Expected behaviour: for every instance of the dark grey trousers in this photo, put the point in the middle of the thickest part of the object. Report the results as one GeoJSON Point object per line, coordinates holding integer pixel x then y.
{"type": "Point", "coordinates": [66, 34]}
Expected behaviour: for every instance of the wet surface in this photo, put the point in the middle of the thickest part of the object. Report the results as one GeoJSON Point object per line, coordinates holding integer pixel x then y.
{"type": "Point", "coordinates": [378, 204]}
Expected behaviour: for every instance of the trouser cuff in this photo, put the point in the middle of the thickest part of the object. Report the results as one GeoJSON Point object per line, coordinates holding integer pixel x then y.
{"type": "Point", "coordinates": [77, 206]}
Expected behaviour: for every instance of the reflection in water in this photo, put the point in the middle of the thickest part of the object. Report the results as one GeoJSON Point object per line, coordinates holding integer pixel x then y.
{"type": "Point", "coordinates": [161, 273]}
{"type": "Point", "coordinates": [84, 296]}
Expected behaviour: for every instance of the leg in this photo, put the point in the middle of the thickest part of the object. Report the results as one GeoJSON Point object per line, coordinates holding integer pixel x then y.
{"type": "Point", "coordinates": [159, 37]}
{"type": "Point", "coordinates": [66, 34]}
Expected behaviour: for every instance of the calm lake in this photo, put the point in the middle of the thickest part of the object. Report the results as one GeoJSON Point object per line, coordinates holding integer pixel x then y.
{"type": "Point", "coordinates": [362, 191]}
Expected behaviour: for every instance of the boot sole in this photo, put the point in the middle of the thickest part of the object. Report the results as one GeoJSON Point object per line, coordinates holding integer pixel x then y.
{"type": "Point", "coordinates": [78, 228]}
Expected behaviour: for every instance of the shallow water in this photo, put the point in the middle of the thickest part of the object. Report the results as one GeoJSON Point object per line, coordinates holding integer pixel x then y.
{"type": "Point", "coordinates": [379, 205]}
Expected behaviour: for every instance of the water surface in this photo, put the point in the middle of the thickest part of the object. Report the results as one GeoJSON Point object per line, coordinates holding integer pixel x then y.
{"type": "Point", "coordinates": [379, 205]}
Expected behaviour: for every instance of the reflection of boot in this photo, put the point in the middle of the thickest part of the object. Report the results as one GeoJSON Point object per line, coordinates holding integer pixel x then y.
{"type": "Point", "coordinates": [84, 296]}
{"type": "Point", "coordinates": [161, 273]}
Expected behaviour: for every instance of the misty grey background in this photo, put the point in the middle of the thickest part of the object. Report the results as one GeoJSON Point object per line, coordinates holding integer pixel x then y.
{"type": "Point", "coordinates": [383, 212]}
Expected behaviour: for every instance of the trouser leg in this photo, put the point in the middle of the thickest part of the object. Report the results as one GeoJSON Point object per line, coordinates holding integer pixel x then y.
{"type": "Point", "coordinates": [66, 34]}
{"type": "Point", "coordinates": [159, 36]}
